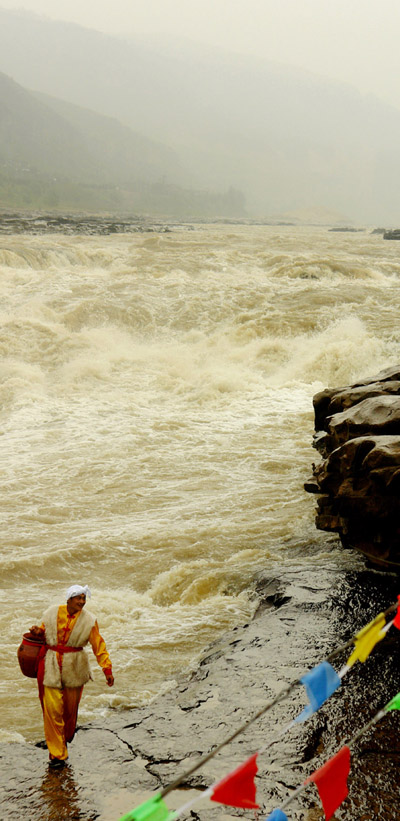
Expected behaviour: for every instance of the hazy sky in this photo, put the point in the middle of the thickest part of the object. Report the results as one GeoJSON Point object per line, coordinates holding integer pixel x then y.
{"type": "Point", "coordinates": [352, 40]}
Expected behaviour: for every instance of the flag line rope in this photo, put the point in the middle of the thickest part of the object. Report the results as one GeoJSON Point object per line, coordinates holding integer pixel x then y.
{"type": "Point", "coordinates": [279, 697]}
{"type": "Point", "coordinates": [377, 717]}
{"type": "Point", "coordinates": [377, 631]}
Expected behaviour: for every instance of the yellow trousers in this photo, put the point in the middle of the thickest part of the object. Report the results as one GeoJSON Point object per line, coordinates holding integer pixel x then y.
{"type": "Point", "coordinates": [60, 712]}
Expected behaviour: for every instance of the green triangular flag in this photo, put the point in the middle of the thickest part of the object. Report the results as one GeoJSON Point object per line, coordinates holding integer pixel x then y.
{"type": "Point", "coordinates": [394, 704]}
{"type": "Point", "coordinates": [152, 810]}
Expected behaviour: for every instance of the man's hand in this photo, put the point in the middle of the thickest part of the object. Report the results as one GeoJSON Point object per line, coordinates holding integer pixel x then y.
{"type": "Point", "coordinates": [36, 631]}
{"type": "Point", "coordinates": [109, 676]}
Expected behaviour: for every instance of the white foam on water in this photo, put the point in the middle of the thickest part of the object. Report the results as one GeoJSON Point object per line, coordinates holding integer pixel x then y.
{"type": "Point", "coordinates": [156, 426]}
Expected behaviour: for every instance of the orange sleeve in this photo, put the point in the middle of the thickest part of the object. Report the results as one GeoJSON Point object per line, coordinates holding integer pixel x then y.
{"type": "Point", "coordinates": [100, 650]}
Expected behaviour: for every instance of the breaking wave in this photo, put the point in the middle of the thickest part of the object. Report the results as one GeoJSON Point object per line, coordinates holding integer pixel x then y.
{"type": "Point", "coordinates": [156, 426]}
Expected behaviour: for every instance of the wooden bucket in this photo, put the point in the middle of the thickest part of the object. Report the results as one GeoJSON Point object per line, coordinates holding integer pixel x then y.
{"type": "Point", "coordinates": [28, 652]}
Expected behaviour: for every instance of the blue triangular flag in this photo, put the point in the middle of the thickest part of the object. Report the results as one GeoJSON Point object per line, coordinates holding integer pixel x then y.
{"type": "Point", "coordinates": [277, 815]}
{"type": "Point", "coordinates": [320, 683]}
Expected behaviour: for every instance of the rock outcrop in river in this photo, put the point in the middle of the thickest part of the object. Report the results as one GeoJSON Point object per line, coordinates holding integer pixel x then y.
{"type": "Point", "coordinates": [358, 481]}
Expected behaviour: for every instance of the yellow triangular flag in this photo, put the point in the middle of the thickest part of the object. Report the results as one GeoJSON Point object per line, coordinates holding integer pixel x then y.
{"type": "Point", "coordinates": [366, 639]}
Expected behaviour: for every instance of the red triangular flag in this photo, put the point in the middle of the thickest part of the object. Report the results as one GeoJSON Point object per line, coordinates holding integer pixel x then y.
{"type": "Point", "coordinates": [238, 789]}
{"type": "Point", "coordinates": [331, 781]}
{"type": "Point", "coordinates": [396, 621]}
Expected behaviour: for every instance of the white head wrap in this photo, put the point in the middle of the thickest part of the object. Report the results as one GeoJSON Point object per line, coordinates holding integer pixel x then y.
{"type": "Point", "coordinates": [77, 590]}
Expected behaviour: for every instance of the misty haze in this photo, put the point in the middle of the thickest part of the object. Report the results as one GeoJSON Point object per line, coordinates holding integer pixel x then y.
{"type": "Point", "coordinates": [199, 286]}
{"type": "Point", "coordinates": [185, 130]}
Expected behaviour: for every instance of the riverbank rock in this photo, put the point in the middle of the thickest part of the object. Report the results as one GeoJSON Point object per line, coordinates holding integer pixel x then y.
{"type": "Point", "coordinates": [304, 613]}
{"type": "Point", "coordinates": [77, 224]}
{"type": "Point", "coordinates": [358, 481]}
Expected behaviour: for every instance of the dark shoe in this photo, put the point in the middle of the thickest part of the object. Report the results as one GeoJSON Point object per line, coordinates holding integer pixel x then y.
{"type": "Point", "coordinates": [56, 763]}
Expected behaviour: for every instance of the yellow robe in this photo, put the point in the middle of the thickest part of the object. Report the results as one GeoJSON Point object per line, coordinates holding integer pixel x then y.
{"type": "Point", "coordinates": [60, 706]}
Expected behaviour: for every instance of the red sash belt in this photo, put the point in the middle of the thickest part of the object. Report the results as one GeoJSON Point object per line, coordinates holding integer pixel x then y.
{"type": "Point", "coordinates": [59, 648]}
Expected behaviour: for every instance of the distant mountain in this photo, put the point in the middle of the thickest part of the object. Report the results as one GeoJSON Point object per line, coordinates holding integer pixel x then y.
{"type": "Point", "coordinates": [54, 153]}
{"type": "Point", "coordinates": [120, 154]}
{"type": "Point", "coordinates": [53, 136]}
{"type": "Point", "coordinates": [34, 138]}
{"type": "Point", "coordinates": [288, 139]}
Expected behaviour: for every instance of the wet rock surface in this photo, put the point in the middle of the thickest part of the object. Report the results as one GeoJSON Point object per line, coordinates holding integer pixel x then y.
{"type": "Point", "coordinates": [304, 614]}
{"type": "Point", "coordinates": [358, 481]}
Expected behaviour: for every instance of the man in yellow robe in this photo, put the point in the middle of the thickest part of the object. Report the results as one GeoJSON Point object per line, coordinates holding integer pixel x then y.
{"type": "Point", "coordinates": [64, 668]}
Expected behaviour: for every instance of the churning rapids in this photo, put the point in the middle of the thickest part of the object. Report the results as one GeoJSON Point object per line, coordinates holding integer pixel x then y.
{"type": "Point", "coordinates": [156, 428]}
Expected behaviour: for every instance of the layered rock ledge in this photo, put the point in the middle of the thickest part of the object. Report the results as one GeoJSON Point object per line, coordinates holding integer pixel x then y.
{"type": "Point", "coordinates": [358, 481]}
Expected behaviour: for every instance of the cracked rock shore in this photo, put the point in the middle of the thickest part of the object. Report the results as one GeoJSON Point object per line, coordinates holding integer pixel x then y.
{"type": "Point", "coordinates": [118, 762]}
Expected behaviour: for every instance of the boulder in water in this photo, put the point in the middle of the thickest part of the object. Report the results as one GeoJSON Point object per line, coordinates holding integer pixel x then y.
{"type": "Point", "coordinates": [358, 482]}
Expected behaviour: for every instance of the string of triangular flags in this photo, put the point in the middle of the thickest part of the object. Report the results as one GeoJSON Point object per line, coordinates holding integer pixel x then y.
{"type": "Point", "coordinates": [331, 778]}
{"type": "Point", "coordinates": [238, 788]}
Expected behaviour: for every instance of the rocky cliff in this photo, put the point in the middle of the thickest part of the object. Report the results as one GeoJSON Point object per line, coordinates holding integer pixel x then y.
{"type": "Point", "coordinates": [358, 482]}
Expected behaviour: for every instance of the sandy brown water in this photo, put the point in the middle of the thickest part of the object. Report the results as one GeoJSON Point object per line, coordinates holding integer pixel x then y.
{"type": "Point", "coordinates": [156, 426]}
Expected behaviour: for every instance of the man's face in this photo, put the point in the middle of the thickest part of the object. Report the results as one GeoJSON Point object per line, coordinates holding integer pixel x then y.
{"type": "Point", "coordinates": [76, 603]}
